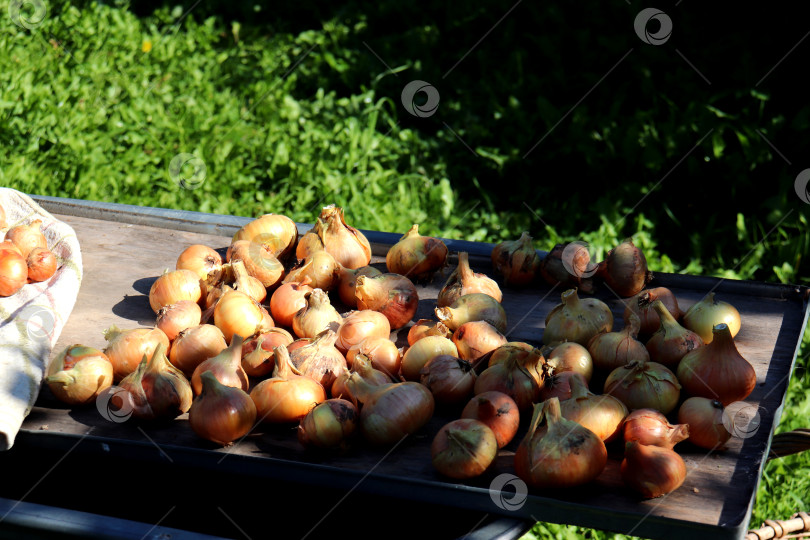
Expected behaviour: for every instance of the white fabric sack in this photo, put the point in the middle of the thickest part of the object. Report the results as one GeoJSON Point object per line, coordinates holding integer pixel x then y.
{"type": "Point", "coordinates": [32, 319]}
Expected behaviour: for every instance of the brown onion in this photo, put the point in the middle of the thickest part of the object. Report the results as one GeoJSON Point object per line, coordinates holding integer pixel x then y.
{"type": "Point", "coordinates": [13, 272]}
{"type": "Point", "coordinates": [41, 264]}
{"type": "Point", "coordinates": [603, 415]}
{"type": "Point", "coordinates": [705, 420]}
{"type": "Point", "coordinates": [473, 307]}
{"type": "Point", "coordinates": [287, 396]}
{"type": "Point", "coordinates": [427, 327]}
{"type": "Point", "coordinates": [449, 379]}
{"type": "Point", "coordinates": [175, 318]}
{"type": "Point", "coordinates": [195, 345]}
{"type": "Point", "coordinates": [560, 454]}
{"type": "Point", "coordinates": [390, 412]}
{"type": "Point", "coordinates": [560, 385]}
{"type": "Point", "coordinates": [616, 349]}
{"type": "Point", "coordinates": [277, 232]}
{"type": "Point", "coordinates": [330, 424]}
{"type": "Point", "coordinates": [498, 411]}
{"type": "Point", "coordinates": [237, 313]}
{"type": "Point", "coordinates": [348, 283]}
{"type": "Point", "coordinates": [202, 260]}
{"type": "Point", "coordinates": [27, 237]}
{"type": "Point", "coordinates": [650, 427]}
{"type": "Point", "coordinates": [652, 471]}
{"type": "Point", "coordinates": [382, 352]}
{"type": "Point", "coordinates": [702, 317]}
{"type": "Point", "coordinates": [320, 360]}
{"type": "Point", "coordinates": [158, 389]}
{"type": "Point", "coordinates": [258, 358]}
{"type": "Point", "coordinates": [79, 374]}
{"type": "Point", "coordinates": [570, 356]}
{"type": "Point", "coordinates": [259, 260]}
{"type": "Point", "coordinates": [226, 367]}
{"type": "Point", "coordinates": [126, 348]}
{"type": "Point", "coordinates": [422, 352]}
{"type": "Point", "coordinates": [463, 449]}
{"type": "Point", "coordinates": [672, 341]}
{"type": "Point", "coordinates": [515, 349]}
{"type": "Point", "coordinates": [625, 269]}
{"type": "Point", "coordinates": [517, 261]}
{"type": "Point", "coordinates": [173, 287]}
{"type": "Point", "coordinates": [320, 267]}
{"type": "Point", "coordinates": [569, 265]}
{"type": "Point", "coordinates": [288, 299]}
{"type": "Point", "coordinates": [717, 370]}
{"type": "Point", "coordinates": [641, 305]}
{"type": "Point", "coordinates": [317, 316]}
{"type": "Point", "coordinates": [221, 413]}
{"type": "Point", "coordinates": [520, 377]}
{"type": "Point", "coordinates": [416, 256]}
{"type": "Point", "coordinates": [464, 281]}
{"type": "Point", "coordinates": [642, 385]}
{"type": "Point", "coordinates": [244, 282]}
{"type": "Point", "coordinates": [577, 319]}
{"type": "Point", "coordinates": [346, 244]}
{"type": "Point", "coordinates": [359, 326]}
{"type": "Point", "coordinates": [362, 366]}
{"type": "Point", "coordinates": [392, 295]}
{"type": "Point", "coordinates": [476, 338]}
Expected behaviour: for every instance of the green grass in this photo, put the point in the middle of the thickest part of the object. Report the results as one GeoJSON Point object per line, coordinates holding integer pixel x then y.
{"type": "Point", "coordinates": [289, 110]}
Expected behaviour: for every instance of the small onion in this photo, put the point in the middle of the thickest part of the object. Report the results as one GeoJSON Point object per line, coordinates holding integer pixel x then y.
{"type": "Point", "coordinates": [476, 338]}
{"type": "Point", "coordinates": [560, 385]}
{"type": "Point", "coordinates": [520, 377]}
{"type": "Point", "coordinates": [288, 299]}
{"type": "Point", "coordinates": [27, 237]}
{"type": "Point", "coordinates": [258, 358]}
{"type": "Point", "coordinates": [195, 345]}
{"type": "Point", "coordinates": [175, 318]}
{"type": "Point", "coordinates": [702, 317]}
{"type": "Point", "coordinates": [650, 427]}
{"type": "Point", "coordinates": [287, 396]}
{"type": "Point", "coordinates": [226, 367]}
{"type": "Point", "coordinates": [625, 269]}
{"type": "Point", "coordinates": [473, 307]}
{"type": "Point", "coordinates": [79, 374]}
{"type": "Point", "coordinates": [652, 471]}
{"type": "Point", "coordinates": [464, 281]}
{"type": "Point", "coordinates": [422, 352]}
{"type": "Point", "coordinates": [346, 244]}
{"type": "Point", "coordinates": [577, 319]}
{"type": "Point", "coordinates": [221, 413]}
{"type": "Point", "coordinates": [427, 327]}
{"type": "Point", "coordinates": [320, 267]}
{"type": "Point", "coordinates": [498, 411]}
{"type": "Point", "coordinates": [246, 283]}
{"type": "Point", "coordinates": [449, 379]}
{"type": "Point", "coordinates": [13, 272]}
{"type": "Point", "coordinates": [705, 420]}
{"type": "Point", "coordinates": [416, 256]}
{"type": "Point", "coordinates": [202, 260]}
{"type": "Point", "coordinates": [259, 261]}
{"type": "Point", "coordinates": [277, 232]}
{"type": "Point", "coordinates": [359, 326]}
{"type": "Point", "coordinates": [237, 313]}
{"type": "Point", "coordinates": [517, 261]}
{"type": "Point", "coordinates": [463, 449]}
{"type": "Point", "coordinates": [320, 360]}
{"type": "Point", "coordinates": [382, 352]}
{"type": "Point", "coordinates": [157, 389]}
{"type": "Point", "coordinates": [603, 415]}
{"type": "Point", "coordinates": [671, 342]}
{"type": "Point", "coordinates": [392, 295]}
{"type": "Point", "coordinates": [570, 356]}
{"type": "Point", "coordinates": [615, 349]}
{"type": "Point", "coordinates": [644, 385]}
{"type": "Point", "coordinates": [348, 283]}
{"type": "Point", "coordinates": [173, 287]}
{"type": "Point", "coordinates": [317, 316]}
{"type": "Point", "coordinates": [41, 264]}
{"type": "Point", "coordinates": [330, 424]}
{"type": "Point", "coordinates": [126, 348]}
{"type": "Point", "coordinates": [641, 305]}
{"type": "Point", "coordinates": [362, 366]}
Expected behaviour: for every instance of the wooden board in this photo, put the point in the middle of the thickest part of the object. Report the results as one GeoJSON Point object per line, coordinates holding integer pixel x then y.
{"type": "Point", "coordinates": [122, 260]}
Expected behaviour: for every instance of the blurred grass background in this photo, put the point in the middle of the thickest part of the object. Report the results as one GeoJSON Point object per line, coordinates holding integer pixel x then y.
{"type": "Point", "coordinates": [297, 105]}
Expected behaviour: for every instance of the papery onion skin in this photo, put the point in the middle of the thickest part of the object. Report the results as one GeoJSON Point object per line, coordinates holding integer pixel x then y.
{"type": "Point", "coordinates": [259, 261]}
{"type": "Point", "coordinates": [615, 349]}
{"type": "Point", "coordinates": [173, 287]}
{"type": "Point", "coordinates": [427, 327]}
{"type": "Point", "coordinates": [79, 374]}
{"type": "Point", "coordinates": [473, 307]}
{"type": "Point", "coordinates": [717, 370]}
{"type": "Point", "coordinates": [449, 379]}
{"type": "Point", "coordinates": [625, 269]}
{"type": "Point", "coordinates": [650, 427]}
{"type": "Point", "coordinates": [237, 313]}
{"type": "Point", "coordinates": [560, 385]}
{"type": "Point", "coordinates": [604, 415]}
{"type": "Point", "coordinates": [276, 231]}
{"type": "Point", "coordinates": [221, 413]}
{"type": "Point", "coordinates": [159, 391]}
{"type": "Point", "coordinates": [320, 359]}
{"type": "Point", "coordinates": [126, 348]}
{"type": "Point", "coordinates": [577, 319]}
{"type": "Point", "coordinates": [175, 318]}
{"type": "Point", "coordinates": [362, 366]}
{"type": "Point", "coordinates": [570, 356]}
{"type": "Point", "coordinates": [476, 338]}
{"type": "Point", "coordinates": [561, 453]}
{"type": "Point", "coordinates": [381, 351]}
{"type": "Point", "coordinates": [258, 358]}
{"type": "Point", "coordinates": [671, 342]}
{"type": "Point", "coordinates": [651, 470]}
{"type": "Point", "coordinates": [288, 299]}
{"type": "Point", "coordinates": [13, 272]}
{"type": "Point", "coordinates": [27, 237]}
{"type": "Point", "coordinates": [287, 396]}
{"type": "Point", "coordinates": [463, 449]}
{"type": "Point", "coordinates": [359, 326]}
{"type": "Point", "coordinates": [390, 412]}
{"type": "Point", "coordinates": [195, 345]}
{"type": "Point", "coordinates": [320, 267]}
{"type": "Point", "coordinates": [41, 264]}
{"type": "Point", "coordinates": [519, 377]}
{"type": "Point", "coordinates": [422, 352]}
{"type": "Point", "coordinates": [329, 425]}
{"type": "Point", "coordinates": [200, 259]}
{"type": "Point", "coordinates": [641, 305]}
{"type": "Point", "coordinates": [392, 295]}
{"type": "Point", "coordinates": [226, 367]}
{"type": "Point", "coordinates": [644, 385]}
{"type": "Point", "coordinates": [317, 316]}
{"type": "Point", "coordinates": [346, 244]}
{"type": "Point", "coordinates": [498, 411]}
{"type": "Point", "coordinates": [704, 315]}
{"type": "Point", "coordinates": [246, 283]}
{"type": "Point", "coordinates": [464, 281]}
{"type": "Point", "coordinates": [348, 283]}
{"type": "Point", "coordinates": [705, 420]}
{"type": "Point", "coordinates": [517, 261]}
{"type": "Point", "coordinates": [415, 256]}
{"type": "Point", "coordinates": [569, 265]}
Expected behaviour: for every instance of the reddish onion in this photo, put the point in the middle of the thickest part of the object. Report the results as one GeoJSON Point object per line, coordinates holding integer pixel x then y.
{"type": "Point", "coordinates": [650, 427]}
{"type": "Point", "coordinates": [705, 420]}
{"type": "Point", "coordinates": [496, 410]}
{"type": "Point", "coordinates": [175, 318]}
{"type": "Point", "coordinates": [651, 470]}
{"type": "Point", "coordinates": [463, 449]}
{"type": "Point", "coordinates": [202, 260]}
{"type": "Point", "coordinates": [288, 299]}
{"type": "Point", "coordinates": [476, 338]}
{"type": "Point", "coordinates": [287, 396]}
{"type": "Point", "coordinates": [641, 305]}
{"type": "Point", "coordinates": [330, 424]}
{"type": "Point", "coordinates": [41, 264]}
{"type": "Point", "coordinates": [450, 379]}
{"type": "Point", "coordinates": [625, 269]}
{"type": "Point", "coordinates": [392, 295]}
{"type": "Point", "coordinates": [13, 272]}
{"type": "Point", "coordinates": [126, 348]}
{"type": "Point", "coordinates": [195, 345]}
{"type": "Point", "coordinates": [359, 326]}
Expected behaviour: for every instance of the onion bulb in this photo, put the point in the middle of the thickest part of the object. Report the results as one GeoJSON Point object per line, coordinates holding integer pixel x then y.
{"type": "Point", "coordinates": [641, 305]}
{"type": "Point", "coordinates": [279, 233]}
{"type": "Point", "coordinates": [625, 269]}
{"type": "Point", "coordinates": [320, 360]}
{"type": "Point", "coordinates": [464, 281]}
{"type": "Point", "coordinates": [476, 338]}
{"type": "Point", "coordinates": [449, 379]}
{"type": "Point", "coordinates": [195, 345]}
{"type": "Point", "coordinates": [717, 370]}
{"type": "Point", "coordinates": [671, 341]}
{"type": "Point", "coordinates": [175, 318]}
{"type": "Point", "coordinates": [288, 299]}
{"type": "Point", "coordinates": [258, 358]}
{"type": "Point", "coordinates": [705, 420]}
{"type": "Point", "coordinates": [221, 413]}
{"type": "Point", "coordinates": [392, 295]}
{"type": "Point", "coordinates": [416, 256]}
{"type": "Point", "coordinates": [381, 351]}
{"type": "Point", "coordinates": [226, 367]}
{"type": "Point", "coordinates": [650, 427]}
{"type": "Point", "coordinates": [158, 389]}
{"type": "Point", "coordinates": [13, 272]}
{"type": "Point", "coordinates": [359, 326]}
{"type": "Point", "coordinates": [519, 376]}
{"type": "Point", "coordinates": [317, 316]}
{"type": "Point", "coordinates": [330, 424]}
{"type": "Point", "coordinates": [570, 356]}
{"type": "Point", "coordinates": [348, 283]}
{"type": "Point", "coordinates": [473, 307]}
{"type": "Point", "coordinates": [259, 260]}
{"type": "Point", "coordinates": [577, 319]}
{"type": "Point", "coordinates": [320, 267]}
{"type": "Point", "coordinates": [392, 411]}
{"type": "Point", "coordinates": [560, 454]}
{"type": "Point", "coordinates": [569, 265]}
{"type": "Point", "coordinates": [41, 264]}
{"type": "Point", "coordinates": [27, 237]}
{"type": "Point", "coordinates": [651, 470]}
{"type": "Point", "coordinates": [463, 449]}
{"type": "Point", "coordinates": [517, 261]}
{"type": "Point", "coordinates": [202, 260]}
{"type": "Point", "coordinates": [126, 348]}
{"type": "Point", "coordinates": [603, 415]}
{"type": "Point", "coordinates": [560, 385]}
{"type": "Point", "coordinates": [644, 385]}
{"type": "Point", "coordinates": [616, 349]}
{"type": "Point", "coordinates": [346, 244]}
{"type": "Point", "coordinates": [517, 350]}
{"type": "Point", "coordinates": [244, 282]}
{"type": "Point", "coordinates": [362, 366]}
{"type": "Point", "coordinates": [287, 396]}
{"type": "Point", "coordinates": [79, 374]}
{"type": "Point", "coordinates": [498, 411]}
{"type": "Point", "coordinates": [702, 317]}
{"type": "Point", "coordinates": [173, 287]}
{"type": "Point", "coordinates": [427, 327]}
{"type": "Point", "coordinates": [422, 352]}
{"type": "Point", "coordinates": [237, 313]}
